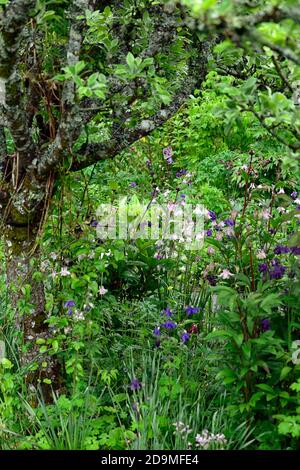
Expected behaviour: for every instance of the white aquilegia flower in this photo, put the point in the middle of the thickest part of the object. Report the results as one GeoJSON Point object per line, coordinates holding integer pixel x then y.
{"type": "Point", "coordinates": [225, 274]}
{"type": "Point", "coordinates": [261, 254]}
{"type": "Point", "coordinates": [64, 272]}
{"type": "Point", "coordinates": [102, 290]}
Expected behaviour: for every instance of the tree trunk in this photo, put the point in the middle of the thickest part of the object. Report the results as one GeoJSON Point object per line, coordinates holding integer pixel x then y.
{"type": "Point", "coordinates": [22, 261]}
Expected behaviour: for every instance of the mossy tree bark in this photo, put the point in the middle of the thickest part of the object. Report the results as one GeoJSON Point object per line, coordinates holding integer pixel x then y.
{"type": "Point", "coordinates": [46, 121]}
{"type": "Point", "coordinates": [22, 262]}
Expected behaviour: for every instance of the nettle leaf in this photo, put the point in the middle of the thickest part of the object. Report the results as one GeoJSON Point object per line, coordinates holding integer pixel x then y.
{"type": "Point", "coordinates": [285, 372]}
{"type": "Point", "coordinates": [130, 61]}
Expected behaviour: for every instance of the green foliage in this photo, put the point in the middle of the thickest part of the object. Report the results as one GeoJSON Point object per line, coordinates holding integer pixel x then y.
{"type": "Point", "coordinates": [130, 382]}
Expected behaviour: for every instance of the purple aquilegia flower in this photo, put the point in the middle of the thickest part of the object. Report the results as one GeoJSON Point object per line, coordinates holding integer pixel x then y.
{"type": "Point", "coordinates": [133, 184]}
{"type": "Point", "coordinates": [167, 152]}
{"type": "Point", "coordinates": [156, 331]}
{"type": "Point", "coordinates": [167, 312]}
{"type": "Point", "coordinates": [135, 384]}
{"type": "Point", "coordinates": [70, 304]}
{"type": "Point", "coordinates": [182, 196]}
{"type": "Point", "coordinates": [212, 215]}
{"type": "Point", "coordinates": [294, 195]}
{"type": "Point", "coordinates": [169, 325]}
{"type": "Point", "coordinates": [181, 173]}
{"type": "Point", "coordinates": [281, 249]}
{"type": "Point", "coordinates": [70, 312]}
{"type": "Point", "coordinates": [265, 324]}
{"type": "Point", "coordinates": [185, 337]}
{"type": "Point", "coordinates": [192, 310]}
{"type": "Point", "coordinates": [263, 268]}
{"type": "Point", "coordinates": [208, 233]}
{"type": "Point", "coordinates": [275, 262]}
{"type": "Point", "coordinates": [295, 250]}
{"type": "Point", "coordinates": [277, 272]}
{"type": "Point", "coordinates": [229, 222]}
{"type": "Point", "coordinates": [94, 223]}
{"type": "Point", "coordinates": [212, 280]}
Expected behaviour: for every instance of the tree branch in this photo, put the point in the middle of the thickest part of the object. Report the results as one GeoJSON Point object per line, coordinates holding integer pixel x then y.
{"type": "Point", "coordinates": [122, 136]}
{"type": "Point", "coordinates": [12, 24]}
{"type": "Point", "coordinates": [71, 121]}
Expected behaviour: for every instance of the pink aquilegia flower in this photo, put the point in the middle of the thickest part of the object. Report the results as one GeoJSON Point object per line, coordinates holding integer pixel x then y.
{"type": "Point", "coordinates": [225, 274]}
{"type": "Point", "coordinates": [102, 290]}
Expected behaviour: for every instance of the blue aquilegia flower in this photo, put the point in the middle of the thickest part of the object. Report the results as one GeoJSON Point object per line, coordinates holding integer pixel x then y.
{"type": "Point", "coordinates": [167, 312]}
{"type": "Point", "coordinates": [192, 310]}
{"type": "Point", "coordinates": [135, 384]}
{"type": "Point", "coordinates": [70, 304]}
{"type": "Point", "coordinates": [169, 324]}
{"type": "Point", "coordinates": [229, 222]}
{"type": "Point", "coordinates": [181, 173]}
{"type": "Point", "coordinates": [185, 337]}
{"type": "Point", "coordinates": [278, 269]}
{"type": "Point", "coordinates": [156, 331]}
{"type": "Point", "coordinates": [212, 215]}
{"type": "Point", "coordinates": [281, 249]}
{"type": "Point", "coordinates": [168, 155]}
{"type": "Point", "coordinates": [208, 233]}
{"type": "Point", "coordinates": [263, 268]}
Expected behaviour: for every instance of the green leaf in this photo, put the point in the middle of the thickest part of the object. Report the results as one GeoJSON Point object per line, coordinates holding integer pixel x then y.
{"type": "Point", "coordinates": [284, 372]}
{"type": "Point", "coordinates": [130, 61]}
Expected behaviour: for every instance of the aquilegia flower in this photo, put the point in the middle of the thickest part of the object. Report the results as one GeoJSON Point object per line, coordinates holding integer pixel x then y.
{"type": "Point", "coordinates": [277, 272]}
{"type": "Point", "coordinates": [225, 274]}
{"type": "Point", "coordinates": [167, 152]}
{"type": "Point", "coordinates": [133, 184]}
{"type": "Point", "coordinates": [69, 303]}
{"type": "Point", "coordinates": [295, 250]}
{"type": "Point", "coordinates": [167, 312]}
{"type": "Point", "coordinates": [261, 254]}
{"type": "Point", "coordinates": [102, 290]}
{"type": "Point", "coordinates": [294, 194]}
{"type": "Point", "coordinates": [263, 268]}
{"type": "Point", "coordinates": [135, 384]}
{"type": "Point", "coordinates": [169, 324]}
{"type": "Point", "coordinates": [192, 310]}
{"type": "Point", "coordinates": [185, 337]}
{"type": "Point", "coordinates": [212, 215]}
{"type": "Point", "coordinates": [156, 331]}
{"type": "Point", "coordinates": [229, 222]}
{"type": "Point", "coordinates": [281, 249]}
{"type": "Point", "coordinates": [65, 272]}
